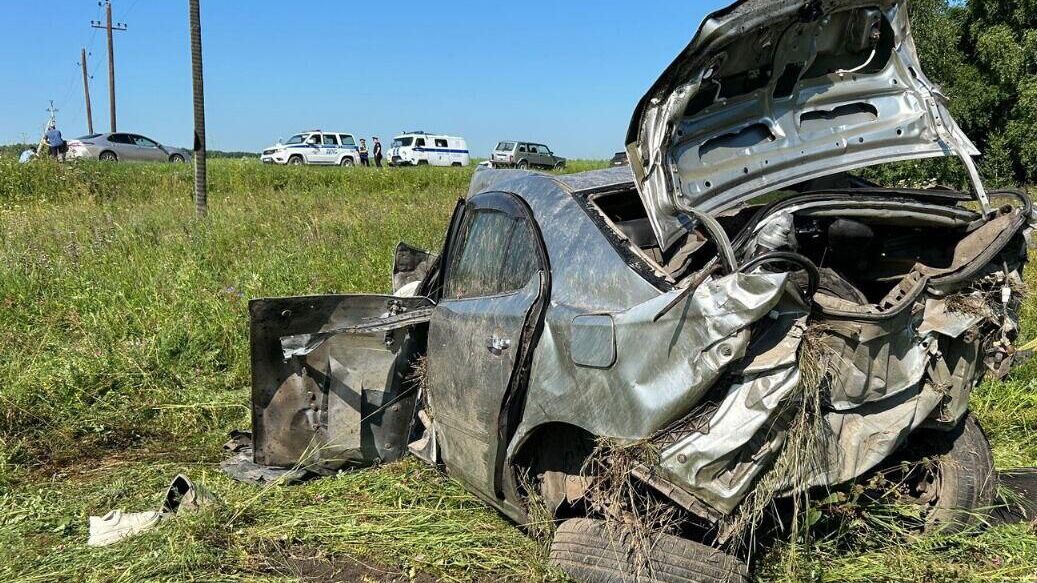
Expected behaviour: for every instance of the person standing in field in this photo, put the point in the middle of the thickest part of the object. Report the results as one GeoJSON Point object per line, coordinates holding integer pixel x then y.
{"type": "Point", "coordinates": [377, 152]}
{"type": "Point", "coordinates": [55, 142]}
{"type": "Point", "coordinates": [363, 153]}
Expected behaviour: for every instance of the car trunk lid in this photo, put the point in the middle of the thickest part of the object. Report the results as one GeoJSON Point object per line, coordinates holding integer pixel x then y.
{"type": "Point", "coordinates": [772, 93]}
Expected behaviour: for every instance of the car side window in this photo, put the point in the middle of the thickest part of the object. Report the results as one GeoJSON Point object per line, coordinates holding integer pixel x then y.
{"type": "Point", "coordinates": [544, 150]}
{"type": "Point", "coordinates": [419, 143]}
{"type": "Point", "coordinates": [347, 140]}
{"type": "Point", "coordinates": [119, 139]}
{"type": "Point", "coordinates": [533, 149]}
{"type": "Point", "coordinates": [521, 258]}
{"type": "Point", "coordinates": [145, 142]}
{"type": "Point", "coordinates": [496, 254]}
{"type": "Point", "coordinates": [330, 140]}
{"type": "Point", "coordinates": [440, 143]}
{"type": "Point", "coordinates": [522, 148]}
{"type": "Point", "coordinates": [314, 139]}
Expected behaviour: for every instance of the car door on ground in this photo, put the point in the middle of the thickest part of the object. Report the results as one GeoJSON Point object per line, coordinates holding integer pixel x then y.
{"type": "Point", "coordinates": [493, 283]}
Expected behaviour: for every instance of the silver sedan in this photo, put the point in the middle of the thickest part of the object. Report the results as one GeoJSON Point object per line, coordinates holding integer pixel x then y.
{"type": "Point", "coordinates": [123, 146]}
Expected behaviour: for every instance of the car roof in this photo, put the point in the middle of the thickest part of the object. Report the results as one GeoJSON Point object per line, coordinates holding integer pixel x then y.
{"type": "Point", "coordinates": [595, 180]}
{"type": "Point", "coordinates": [579, 184]}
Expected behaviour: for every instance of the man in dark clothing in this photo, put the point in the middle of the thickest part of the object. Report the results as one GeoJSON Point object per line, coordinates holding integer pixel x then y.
{"type": "Point", "coordinates": [363, 153]}
{"type": "Point", "coordinates": [377, 152]}
{"type": "Point", "coordinates": [55, 142]}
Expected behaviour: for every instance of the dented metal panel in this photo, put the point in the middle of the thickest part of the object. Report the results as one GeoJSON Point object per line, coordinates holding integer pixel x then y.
{"type": "Point", "coordinates": [772, 93]}
{"type": "Point", "coordinates": [349, 399]}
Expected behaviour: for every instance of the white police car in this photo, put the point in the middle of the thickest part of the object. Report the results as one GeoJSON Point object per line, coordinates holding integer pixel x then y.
{"type": "Point", "coordinates": [420, 148]}
{"type": "Point", "coordinates": [315, 147]}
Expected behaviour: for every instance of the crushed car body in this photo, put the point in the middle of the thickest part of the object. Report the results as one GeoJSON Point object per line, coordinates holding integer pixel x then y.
{"type": "Point", "coordinates": [732, 296]}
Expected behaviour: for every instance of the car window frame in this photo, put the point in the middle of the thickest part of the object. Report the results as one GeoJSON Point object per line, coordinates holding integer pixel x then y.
{"type": "Point", "coordinates": [325, 137]}
{"type": "Point", "coordinates": [511, 206]}
{"type": "Point", "coordinates": [145, 139]}
{"type": "Point", "coordinates": [346, 140]}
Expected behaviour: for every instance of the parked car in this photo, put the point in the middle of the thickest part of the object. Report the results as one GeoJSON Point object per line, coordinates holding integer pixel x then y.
{"type": "Point", "coordinates": [314, 147]}
{"type": "Point", "coordinates": [424, 149]}
{"type": "Point", "coordinates": [619, 159]}
{"type": "Point", "coordinates": [515, 154]}
{"type": "Point", "coordinates": [126, 147]}
{"type": "Point", "coordinates": [652, 340]}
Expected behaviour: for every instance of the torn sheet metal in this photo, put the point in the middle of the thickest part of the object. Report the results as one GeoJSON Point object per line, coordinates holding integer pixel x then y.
{"type": "Point", "coordinates": [718, 462]}
{"type": "Point", "coordinates": [658, 376]}
{"type": "Point", "coordinates": [344, 394]}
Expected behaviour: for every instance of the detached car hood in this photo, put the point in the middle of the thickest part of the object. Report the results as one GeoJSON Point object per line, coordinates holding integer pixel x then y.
{"type": "Point", "coordinates": [772, 93]}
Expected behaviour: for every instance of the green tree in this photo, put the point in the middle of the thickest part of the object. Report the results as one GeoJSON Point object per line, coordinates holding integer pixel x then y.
{"type": "Point", "coordinates": [983, 53]}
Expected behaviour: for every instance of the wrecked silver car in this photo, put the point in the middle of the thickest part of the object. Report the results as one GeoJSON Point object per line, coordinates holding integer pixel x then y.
{"type": "Point", "coordinates": [732, 319]}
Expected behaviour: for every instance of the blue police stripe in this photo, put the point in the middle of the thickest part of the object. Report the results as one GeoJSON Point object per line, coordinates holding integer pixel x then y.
{"type": "Point", "coordinates": [449, 151]}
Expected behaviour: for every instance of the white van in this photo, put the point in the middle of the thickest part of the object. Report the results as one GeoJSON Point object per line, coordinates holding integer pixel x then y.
{"type": "Point", "coordinates": [314, 147]}
{"type": "Point", "coordinates": [420, 148]}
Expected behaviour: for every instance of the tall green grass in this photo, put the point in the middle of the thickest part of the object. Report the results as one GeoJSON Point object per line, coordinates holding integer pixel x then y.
{"type": "Point", "coordinates": [123, 327]}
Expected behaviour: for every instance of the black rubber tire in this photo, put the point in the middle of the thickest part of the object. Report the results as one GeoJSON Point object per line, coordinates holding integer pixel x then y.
{"type": "Point", "coordinates": [584, 550]}
{"type": "Point", "coordinates": [560, 166]}
{"type": "Point", "coordinates": [968, 482]}
{"type": "Point", "coordinates": [177, 159]}
{"type": "Point", "coordinates": [523, 165]}
{"type": "Point", "coordinates": [347, 162]}
{"type": "Point", "coordinates": [108, 156]}
{"type": "Point", "coordinates": [951, 473]}
{"type": "Point", "coordinates": [295, 161]}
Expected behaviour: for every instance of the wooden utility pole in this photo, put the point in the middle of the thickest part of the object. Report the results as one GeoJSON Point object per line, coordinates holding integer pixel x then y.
{"type": "Point", "coordinates": [86, 93]}
{"type": "Point", "coordinates": [201, 190]}
{"type": "Point", "coordinates": [108, 26]}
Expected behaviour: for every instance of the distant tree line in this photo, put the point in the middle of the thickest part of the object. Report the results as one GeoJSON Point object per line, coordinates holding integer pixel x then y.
{"type": "Point", "coordinates": [983, 54]}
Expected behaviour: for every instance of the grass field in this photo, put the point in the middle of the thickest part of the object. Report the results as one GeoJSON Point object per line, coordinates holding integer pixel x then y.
{"type": "Point", "coordinates": [124, 361]}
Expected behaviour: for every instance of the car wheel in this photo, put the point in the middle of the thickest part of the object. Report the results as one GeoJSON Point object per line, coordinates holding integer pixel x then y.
{"type": "Point", "coordinates": [108, 156]}
{"type": "Point", "coordinates": [560, 166]}
{"type": "Point", "coordinates": [421, 163]}
{"type": "Point", "coordinates": [523, 165]}
{"type": "Point", "coordinates": [177, 159]}
{"type": "Point", "coordinates": [949, 472]}
{"type": "Point", "coordinates": [295, 161]}
{"type": "Point", "coordinates": [457, 165]}
{"type": "Point", "coordinates": [588, 553]}
{"type": "Point", "coordinates": [347, 161]}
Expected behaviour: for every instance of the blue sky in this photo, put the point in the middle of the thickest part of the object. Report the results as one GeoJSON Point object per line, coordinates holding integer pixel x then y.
{"type": "Point", "coordinates": [566, 73]}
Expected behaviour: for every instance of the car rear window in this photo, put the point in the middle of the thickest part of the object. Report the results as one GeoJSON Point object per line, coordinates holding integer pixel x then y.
{"type": "Point", "coordinates": [505, 146]}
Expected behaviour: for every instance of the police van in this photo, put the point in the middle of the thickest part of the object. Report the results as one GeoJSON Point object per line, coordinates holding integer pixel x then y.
{"type": "Point", "coordinates": [421, 148]}
{"type": "Point", "coordinates": [314, 147]}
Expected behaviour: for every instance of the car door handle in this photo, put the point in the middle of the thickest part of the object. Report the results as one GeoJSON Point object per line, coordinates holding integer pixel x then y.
{"type": "Point", "coordinates": [497, 345]}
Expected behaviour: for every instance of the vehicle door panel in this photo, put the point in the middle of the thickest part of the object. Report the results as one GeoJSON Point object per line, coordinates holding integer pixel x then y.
{"type": "Point", "coordinates": [493, 282]}
{"type": "Point", "coordinates": [478, 338]}
{"type": "Point", "coordinates": [123, 147]}
{"type": "Point", "coordinates": [324, 368]}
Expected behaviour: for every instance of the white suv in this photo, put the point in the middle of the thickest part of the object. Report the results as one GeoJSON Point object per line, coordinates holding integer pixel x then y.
{"type": "Point", "coordinates": [314, 147]}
